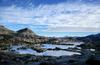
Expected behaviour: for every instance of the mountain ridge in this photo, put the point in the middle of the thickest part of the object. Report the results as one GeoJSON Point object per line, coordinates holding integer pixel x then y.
{"type": "Point", "coordinates": [4, 30]}
{"type": "Point", "coordinates": [27, 35]}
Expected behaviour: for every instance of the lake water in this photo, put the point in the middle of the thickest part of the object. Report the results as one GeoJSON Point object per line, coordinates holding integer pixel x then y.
{"type": "Point", "coordinates": [57, 53]}
{"type": "Point", "coordinates": [52, 46]}
{"type": "Point", "coordinates": [17, 49]}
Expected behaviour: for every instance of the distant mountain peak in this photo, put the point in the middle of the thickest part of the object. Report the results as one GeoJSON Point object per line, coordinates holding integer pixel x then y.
{"type": "Point", "coordinates": [26, 31]}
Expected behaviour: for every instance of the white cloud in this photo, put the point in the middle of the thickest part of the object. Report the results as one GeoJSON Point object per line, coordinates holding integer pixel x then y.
{"type": "Point", "coordinates": [72, 29]}
{"type": "Point", "coordinates": [59, 17]}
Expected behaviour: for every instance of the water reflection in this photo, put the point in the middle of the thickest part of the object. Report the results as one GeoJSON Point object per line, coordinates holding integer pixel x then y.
{"type": "Point", "coordinates": [52, 46]}
{"type": "Point", "coordinates": [57, 53]}
{"type": "Point", "coordinates": [21, 49]}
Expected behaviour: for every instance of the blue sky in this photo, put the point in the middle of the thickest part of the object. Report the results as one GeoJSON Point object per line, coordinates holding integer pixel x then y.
{"type": "Point", "coordinates": [52, 17]}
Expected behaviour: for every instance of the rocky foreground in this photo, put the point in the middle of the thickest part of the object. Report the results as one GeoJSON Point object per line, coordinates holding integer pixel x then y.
{"type": "Point", "coordinates": [16, 59]}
